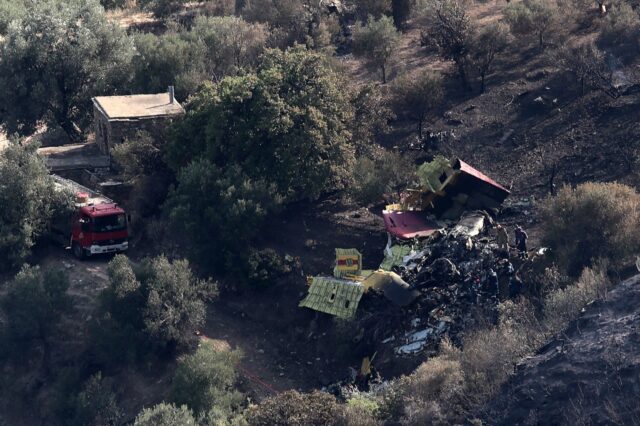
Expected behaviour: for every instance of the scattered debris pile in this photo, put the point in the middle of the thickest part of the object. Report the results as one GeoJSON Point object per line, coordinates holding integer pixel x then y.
{"type": "Point", "coordinates": [443, 267]}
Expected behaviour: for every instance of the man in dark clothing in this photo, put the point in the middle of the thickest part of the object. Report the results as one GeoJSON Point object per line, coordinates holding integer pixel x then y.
{"type": "Point", "coordinates": [515, 286]}
{"type": "Point", "coordinates": [521, 241]}
{"type": "Point", "coordinates": [492, 282]}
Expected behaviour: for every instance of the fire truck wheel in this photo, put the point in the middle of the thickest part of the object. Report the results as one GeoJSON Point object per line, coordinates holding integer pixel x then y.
{"type": "Point", "coordinates": [78, 252]}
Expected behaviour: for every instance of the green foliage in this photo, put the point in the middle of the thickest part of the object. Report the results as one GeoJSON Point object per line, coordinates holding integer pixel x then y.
{"type": "Point", "coordinates": [366, 8]}
{"type": "Point", "coordinates": [289, 19]}
{"type": "Point", "coordinates": [417, 96]}
{"type": "Point", "coordinates": [157, 306]}
{"type": "Point", "coordinates": [450, 30]}
{"type": "Point", "coordinates": [205, 380]}
{"type": "Point", "coordinates": [220, 211]}
{"type": "Point", "coordinates": [165, 414]}
{"type": "Point", "coordinates": [33, 306]}
{"type": "Point", "coordinates": [383, 172]}
{"type": "Point", "coordinates": [231, 44]}
{"type": "Point", "coordinates": [54, 60]}
{"type": "Point", "coordinates": [531, 17]}
{"type": "Point", "coordinates": [490, 41]}
{"type": "Point", "coordinates": [264, 267]}
{"type": "Point", "coordinates": [29, 201]}
{"type": "Point", "coordinates": [376, 40]}
{"type": "Point", "coordinates": [162, 8]}
{"type": "Point", "coordinates": [371, 118]}
{"type": "Point", "coordinates": [594, 220]}
{"type": "Point", "coordinates": [297, 409]}
{"type": "Point", "coordinates": [10, 10]}
{"type": "Point", "coordinates": [250, 143]}
{"type": "Point", "coordinates": [165, 60]}
{"type": "Point", "coordinates": [96, 404]}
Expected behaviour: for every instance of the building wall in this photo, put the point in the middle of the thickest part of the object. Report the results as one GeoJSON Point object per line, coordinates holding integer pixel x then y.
{"type": "Point", "coordinates": [110, 133]}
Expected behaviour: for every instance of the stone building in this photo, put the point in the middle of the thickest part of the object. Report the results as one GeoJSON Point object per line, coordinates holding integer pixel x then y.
{"type": "Point", "coordinates": [117, 118]}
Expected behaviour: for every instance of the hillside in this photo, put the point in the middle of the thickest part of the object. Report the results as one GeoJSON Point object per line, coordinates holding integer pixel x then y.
{"type": "Point", "coordinates": [586, 375]}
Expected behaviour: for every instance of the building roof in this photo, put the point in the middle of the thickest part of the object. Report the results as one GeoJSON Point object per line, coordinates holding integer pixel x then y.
{"type": "Point", "coordinates": [137, 106]}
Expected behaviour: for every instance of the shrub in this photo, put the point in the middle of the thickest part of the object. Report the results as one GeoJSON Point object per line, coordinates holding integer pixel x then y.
{"type": "Point", "coordinates": [165, 414]}
{"type": "Point", "coordinates": [373, 177]}
{"type": "Point", "coordinates": [365, 8]}
{"type": "Point", "coordinates": [490, 41]}
{"type": "Point", "coordinates": [33, 306]}
{"type": "Point", "coordinates": [204, 381]}
{"type": "Point", "coordinates": [157, 306]}
{"type": "Point", "coordinates": [621, 30]}
{"type": "Point", "coordinates": [289, 19]}
{"type": "Point", "coordinates": [564, 304]}
{"type": "Point", "coordinates": [594, 220]}
{"type": "Point", "coordinates": [264, 267]}
{"type": "Point", "coordinates": [449, 30]}
{"type": "Point", "coordinates": [376, 40]}
{"type": "Point", "coordinates": [10, 11]}
{"type": "Point", "coordinates": [96, 404]}
{"type": "Point", "coordinates": [296, 409]}
{"type": "Point", "coordinates": [370, 119]}
{"type": "Point", "coordinates": [48, 78]}
{"type": "Point", "coordinates": [417, 96]}
{"type": "Point", "coordinates": [538, 17]}
{"type": "Point", "coordinates": [29, 202]}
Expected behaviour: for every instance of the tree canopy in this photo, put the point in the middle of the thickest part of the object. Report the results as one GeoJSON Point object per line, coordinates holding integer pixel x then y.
{"type": "Point", "coordinates": [376, 40]}
{"type": "Point", "coordinates": [54, 60]}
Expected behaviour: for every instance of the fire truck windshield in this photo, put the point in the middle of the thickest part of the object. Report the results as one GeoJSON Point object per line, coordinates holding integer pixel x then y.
{"type": "Point", "coordinates": [116, 222]}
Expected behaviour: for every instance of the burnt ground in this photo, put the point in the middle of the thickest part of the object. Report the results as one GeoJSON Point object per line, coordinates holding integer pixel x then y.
{"type": "Point", "coordinates": [590, 374]}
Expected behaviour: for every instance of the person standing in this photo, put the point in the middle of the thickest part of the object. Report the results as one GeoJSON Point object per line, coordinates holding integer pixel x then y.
{"type": "Point", "coordinates": [521, 241]}
{"type": "Point", "coordinates": [502, 238]}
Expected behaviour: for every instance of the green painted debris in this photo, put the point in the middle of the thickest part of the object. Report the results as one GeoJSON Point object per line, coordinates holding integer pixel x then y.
{"type": "Point", "coordinates": [434, 174]}
{"type": "Point", "coordinates": [395, 259]}
{"type": "Point", "coordinates": [334, 296]}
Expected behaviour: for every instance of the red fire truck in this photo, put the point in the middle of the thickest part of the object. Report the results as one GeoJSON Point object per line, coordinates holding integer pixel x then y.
{"type": "Point", "coordinates": [97, 224]}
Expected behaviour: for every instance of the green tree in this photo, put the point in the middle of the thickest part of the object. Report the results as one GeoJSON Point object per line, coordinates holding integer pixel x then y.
{"type": "Point", "coordinates": [450, 30]}
{"type": "Point", "coordinates": [29, 201]}
{"type": "Point", "coordinates": [10, 10]}
{"type": "Point", "coordinates": [371, 117]}
{"type": "Point", "coordinates": [96, 404]}
{"type": "Point", "coordinates": [288, 126]}
{"type": "Point", "coordinates": [165, 414]}
{"type": "Point", "coordinates": [54, 60]}
{"type": "Point", "coordinates": [490, 41]}
{"type": "Point", "coordinates": [168, 59]}
{"type": "Point", "coordinates": [594, 220]}
{"type": "Point", "coordinates": [158, 305]}
{"type": "Point", "coordinates": [205, 380]}
{"type": "Point", "coordinates": [231, 43]}
{"type": "Point", "coordinates": [531, 17]}
{"type": "Point", "coordinates": [377, 41]}
{"type": "Point", "coordinates": [289, 20]}
{"type": "Point", "coordinates": [586, 62]}
{"type": "Point", "coordinates": [417, 96]}
{"type": "Point", "coordinates": [33, 306]}
{"type": "Point", "coordinates": [365, 8]}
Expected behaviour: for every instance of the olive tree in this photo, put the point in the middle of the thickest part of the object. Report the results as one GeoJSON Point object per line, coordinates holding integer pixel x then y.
{"type": "Point", "coordinates": [29, 201]}
{"type": "Point", "coordinates": [376, 41]}
{"type": "Point", "coordinates": [450, 30]}
{"type": "Point", "coordinates": [490, 41]}
{"type": "Point", "coordinates": [165, 414]}
{"type": "Point", "coordinates": [54, 60]}
{"type": "Point", "coordinates": [33, 306]}
{"type": "Point", "coordinates": [418, 95]}
{"type": "Point", "coordinates": [586, 62]}
{"type": "Point", "coordinates": [537, 17]}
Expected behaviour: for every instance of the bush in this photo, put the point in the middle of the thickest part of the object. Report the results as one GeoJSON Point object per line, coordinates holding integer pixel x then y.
{"type": "Point", "coordinates": [29, 202]}
{"type": "Point", "coordinates": [538, 17]}
{"type": "Point", "coordinates": [374, 177]}
{"type": "Point", "coordinates": [564, 304]}
{"type": "Point", "coordinates": [264, 267]}
{"type": "Point", "coordinates": [33, 306]}
{"type": "Point", "coordinates": [205, 380]}
{"type": "Point", "coordinates": [621, 30]}
{"type": "Point", "coordinates": [96, 404]}
{"type": "Point", "coordinates": [370, 119]}
{"type": "Point", "coordinates": [10, 10]}
{"type": "Point", "coordinates": [296, 409]}
{"type": "Point", "coordinates": [376, 40]}
{"type": "Point", "coordinates": [157, 306]}
{"type": "Point", "coordinates": [165, 414]}
{"type": "Point", "coordinates": [417, 96]}
{"type": "Point", "coordinates": [289, 19]}
{"type": "Point", "coordinates": [594, 220]}
{"type": "Point", "coordinates": [50, 79]}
